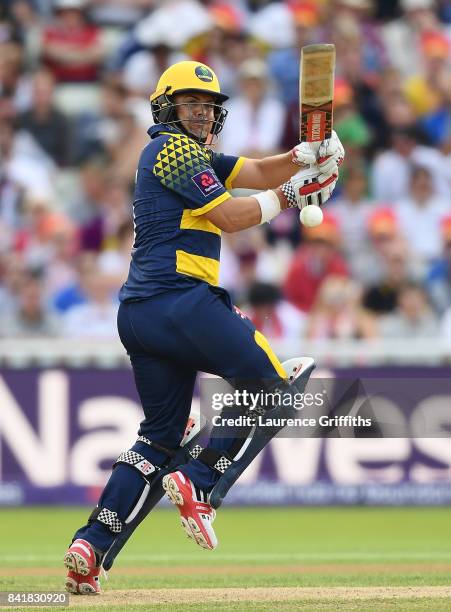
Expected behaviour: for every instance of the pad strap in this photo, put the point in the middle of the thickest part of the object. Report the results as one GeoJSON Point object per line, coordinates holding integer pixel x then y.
{"type": "Point", "coordinates": [140, 463]}
{"type": "Point", "coordinates": [196, 451]}
{"type": "Point", "coordinates": [217, 460]}
{"type": "Point", "coordinates": [108, 518]}
{"type": "Point", "coordinates": [170, 452]}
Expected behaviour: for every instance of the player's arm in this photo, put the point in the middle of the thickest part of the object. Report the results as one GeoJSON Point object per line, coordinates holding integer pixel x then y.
{"type": "Point", "coordinates": [265, 173]}
{"type": "Point", "coordinates": [306, 187]}
{"type": "Point", "coordinates": [269, 172]}
{"type": "Point", "coordinates": [237, 214]}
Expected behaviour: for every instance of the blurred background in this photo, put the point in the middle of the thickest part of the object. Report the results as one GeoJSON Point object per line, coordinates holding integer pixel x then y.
{"type": "Point", "coordinates": [367, 293]}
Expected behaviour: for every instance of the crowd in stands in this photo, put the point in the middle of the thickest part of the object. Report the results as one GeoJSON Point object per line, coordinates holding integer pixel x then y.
{"type": "Point", "coordinates": [75, 76]}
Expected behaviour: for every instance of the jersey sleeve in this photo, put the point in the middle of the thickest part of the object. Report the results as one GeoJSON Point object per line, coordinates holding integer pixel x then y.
{"type": "Point", "coordinates": [227, 167]}
{"type": "Point", "coordinates": [185, 167]}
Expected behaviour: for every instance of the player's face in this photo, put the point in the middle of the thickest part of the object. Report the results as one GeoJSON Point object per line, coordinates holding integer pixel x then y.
{"type": "Point", "coordinates": [196, 113]}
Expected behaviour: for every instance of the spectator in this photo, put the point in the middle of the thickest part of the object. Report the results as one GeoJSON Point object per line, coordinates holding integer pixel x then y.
{"type": "Point", "coordinates": [423, 88]}
{"type": "Point", "coordinates": [119, 13]}
{"type": "Point", "coordinates": [63, 246]}
{"type": "Point", "coordinates": [141, 71]}
{"type": "Point", "coordinates": [23, 161]}
{"type": "Point", "coordinates": [260, 117]}
{"type": "Point", "coordinates": [11, 196]}
{"type": "Point", "coordinates": [313, 262]}
{"type": "Point", "coordinates": [283, 62]}
{"type": "Point", "coordinates": [32, 318]}
{"type": "Point", "coordinates": [112, 211]}
{"type": "Point", "coordinates": [382, 297]}
{"type": "Point", "coordinates": [392, 168]}
{"type": "Point", "coordinates": [273, 316]}
{"type": "Point", "coordinates": [438, 281]}
{"type": "Point", "coordinates": [412, 318]}
{"type": "Point", "coordinates": [27, 20]}
{"type": "Point", "coordinates": [337, 312]}
{"type": "Point", "coordinates": [13, 276]}
{"type": "Point", "coordinates": [421, 213]}
{"type": "Point", "coordinates": [96, 318]}
{"type": "Point", "coordinates": [71, 47]}
{"type": "Point", "coordinates": [48, 126]}
{"type": "Point", "coordinates": [437, 124]}
{"type": "Point", "coordinates": [14, 84]}
{"type": "Point", "coordinates": [349, 123]}
{"type": "Point", "coordinates": [88, 199]}
{"type": "Point", "coordinates": [226, 45]}
{"type": "Point", "coordinates": [95, 129]}
{"type": "Point", "coordinates": [34, 239]}
{"type": "Point", "coordinates": [114, 134]}
{"type": "Point", "coordinates": [76, 292]}
{"type": "Point", "coordinates": [352, 210]}
{"type": "Point", "coordinates": [402, 37]}
{"type": "Point", "coordinates": [114, 262]}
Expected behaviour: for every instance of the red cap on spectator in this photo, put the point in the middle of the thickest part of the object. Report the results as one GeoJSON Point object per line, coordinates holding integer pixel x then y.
{"type": "Point", "coordinates": [383, 222]}
{"type": "Point", "coordinates": [343, 92]}
{"type": "Point", "coordinates": [327, 231]}
{"type": "Point", "coordinates": [304, 13]}
{"type": "Point", "coordinates": [226, 17]}
{"type": "Point", "coordinates": [435, 44]}
{"type": "Point", "coordinates": [446, 228]}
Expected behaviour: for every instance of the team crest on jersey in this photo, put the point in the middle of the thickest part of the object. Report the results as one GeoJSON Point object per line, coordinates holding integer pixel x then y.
{"type": "Point", "coordinates": [207, 182]}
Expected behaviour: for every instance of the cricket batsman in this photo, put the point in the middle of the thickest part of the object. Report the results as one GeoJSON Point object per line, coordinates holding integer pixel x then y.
{"type": "Point", "coordinates": [174, 320]}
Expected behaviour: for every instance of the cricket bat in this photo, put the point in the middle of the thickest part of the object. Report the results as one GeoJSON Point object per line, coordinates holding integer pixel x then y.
{"type": "Point", "coordinates": [316, 92]}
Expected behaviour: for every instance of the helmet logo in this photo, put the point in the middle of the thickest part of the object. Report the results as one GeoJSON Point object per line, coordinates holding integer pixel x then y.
{"type": "Point", "coordinates": [204, 74]}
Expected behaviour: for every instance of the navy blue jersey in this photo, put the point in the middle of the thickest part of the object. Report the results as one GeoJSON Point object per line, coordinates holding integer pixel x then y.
{"type": "Point", "coordinates": [177, 181]}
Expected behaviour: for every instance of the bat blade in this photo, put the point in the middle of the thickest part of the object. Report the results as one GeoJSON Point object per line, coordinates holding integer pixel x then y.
{"type": "Point", "coordinates": [316, 93]}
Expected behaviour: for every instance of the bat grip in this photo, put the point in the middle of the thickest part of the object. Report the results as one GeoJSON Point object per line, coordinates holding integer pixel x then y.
{"type": "Point", "coordinates": [315, 146]}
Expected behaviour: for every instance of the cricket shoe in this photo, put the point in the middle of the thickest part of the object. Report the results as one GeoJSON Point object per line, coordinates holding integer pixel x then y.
{"type": "Point", "coordinates": [83, 585]}
{"type": "Point", "coordinates": [196, 515]}
{"type": "Point", "coordinates": [83, 575]}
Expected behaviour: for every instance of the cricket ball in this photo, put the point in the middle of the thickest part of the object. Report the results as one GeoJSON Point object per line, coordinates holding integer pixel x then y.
{"type": "Point", "coordinates": [311, 215]}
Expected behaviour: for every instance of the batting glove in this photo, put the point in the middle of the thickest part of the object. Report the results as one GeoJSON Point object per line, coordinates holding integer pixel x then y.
{"type": "Point", "coordinates": [309, 186]}
{"type": "Point", "coordinates": [303, 154]}
{"type": "Point", "coordinates": [330, 154]}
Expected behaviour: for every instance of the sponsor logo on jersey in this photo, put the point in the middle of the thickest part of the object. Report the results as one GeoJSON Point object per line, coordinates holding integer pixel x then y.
{"type": "Point", "coordinates": [207, 182]}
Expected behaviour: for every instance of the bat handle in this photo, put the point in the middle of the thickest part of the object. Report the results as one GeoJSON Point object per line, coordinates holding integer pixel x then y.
{"type": "Point", "coordinates": [315, 146]}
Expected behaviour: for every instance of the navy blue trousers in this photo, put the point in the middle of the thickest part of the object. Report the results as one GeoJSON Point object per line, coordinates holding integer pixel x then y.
{"type": "Point", "coordinates": [169, 338]}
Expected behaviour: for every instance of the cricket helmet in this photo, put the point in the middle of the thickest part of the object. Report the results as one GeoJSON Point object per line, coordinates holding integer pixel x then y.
{"type": "Point", "coordinates": [183, 77]}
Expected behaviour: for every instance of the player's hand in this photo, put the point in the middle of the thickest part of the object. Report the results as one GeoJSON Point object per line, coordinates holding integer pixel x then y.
{"type": "Point", "coordinates": [330, 155]}
{"type": "Point", "coordinates": [303, 154]}
{"type": "Point", "coordinates": [309, 186]}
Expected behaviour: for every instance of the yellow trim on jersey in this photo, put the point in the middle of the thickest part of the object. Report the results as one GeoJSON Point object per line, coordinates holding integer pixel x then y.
{"type": "Point", "coordinates": [205, 268]}
{"type": "Point", "coordinates": [188, 221]}
{"type": "Point", "coordinates": [235, 171]}
{"type": "Point", "coordinates": [264, 344]}
{"type": "Point", "coordinates": [219, 200]}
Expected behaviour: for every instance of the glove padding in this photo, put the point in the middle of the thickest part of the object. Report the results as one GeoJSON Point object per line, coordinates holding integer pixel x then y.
{"type": "Point", "coordinates": [328, 154]}
{"type": "Point", "coordinates": [303, 154]}
{"type": "Point", "coordinates": [309, 186]}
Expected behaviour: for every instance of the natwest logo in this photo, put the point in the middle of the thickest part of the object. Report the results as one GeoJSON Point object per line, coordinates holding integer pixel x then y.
{"type": "Point", "coordinates": [55, 442]}
{"type": "Point", "coordinates": [207, 182]}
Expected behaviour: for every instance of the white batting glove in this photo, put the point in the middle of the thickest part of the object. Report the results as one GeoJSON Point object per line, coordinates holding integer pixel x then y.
{"type": "Point", "coordinates": [309, 186]}
{"type": "Point", "coordinates": [303, 154]}
{"type": "Point", "coordinates": [330, 154]}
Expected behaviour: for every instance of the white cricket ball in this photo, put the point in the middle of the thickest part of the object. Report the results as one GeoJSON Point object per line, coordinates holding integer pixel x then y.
{"type": "Point", "coordinates": [311, 215]}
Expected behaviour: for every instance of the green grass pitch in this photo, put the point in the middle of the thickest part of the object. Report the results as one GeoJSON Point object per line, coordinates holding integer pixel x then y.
{"type": "Point", "coordinates": [327, 553]}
